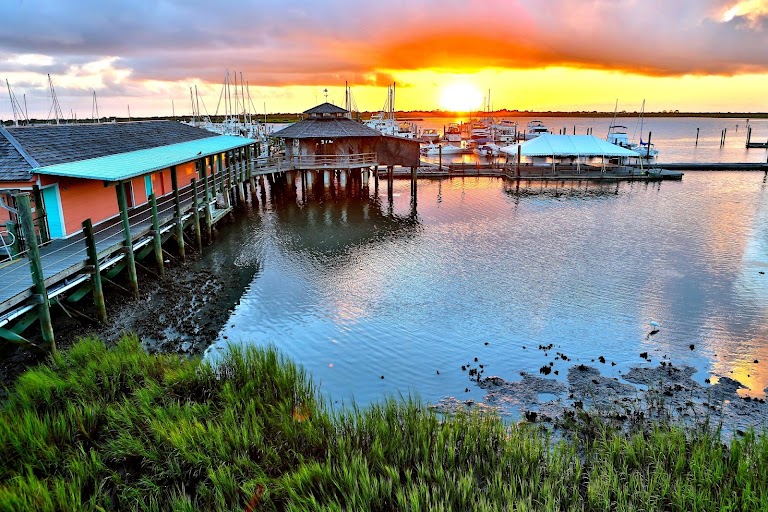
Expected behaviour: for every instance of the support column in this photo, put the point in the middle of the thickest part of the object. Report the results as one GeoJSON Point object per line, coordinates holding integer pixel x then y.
{"type": "Point", "coordinates": [241, 176]}
{"type": "Point", "coordinates": [196, 215]}
{"type": "Point", "coordinates": [36, 268]}
{"type": "Point", "coordinates": [157, 239]}
{"type": "Point", "coordinates": [177, 215]}
{"type": "Point", "coordinates": [42, 218]}
{"type": "Point", "coordinates": [251, 180]}
{"type": "Point", "coordinates": [207, 197]}
{"type": "Point", "coordinates": [222, 179]}
{"type": "Point", "coordinates": [128, 242]}
{"type": "Point", "coordinates": [93, 261]}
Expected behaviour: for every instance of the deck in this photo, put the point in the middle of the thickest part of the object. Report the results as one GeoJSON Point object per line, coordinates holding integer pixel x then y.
{"type": "Point", "coordinates": [64, 260]}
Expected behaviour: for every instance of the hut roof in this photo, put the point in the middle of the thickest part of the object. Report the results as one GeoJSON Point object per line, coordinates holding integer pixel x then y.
{"type": "Point", "coordinates": [128, 165]}
{"type": "Point", "coordinates": [24, 148]}
{"type": "Point", "coordinates": [326, 128]}
{"type": "Point", "coordinates": [326, 108]}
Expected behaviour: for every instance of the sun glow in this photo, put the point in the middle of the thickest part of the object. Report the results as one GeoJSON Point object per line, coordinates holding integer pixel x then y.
{"type": "Point", "coordinates": [460, 97]}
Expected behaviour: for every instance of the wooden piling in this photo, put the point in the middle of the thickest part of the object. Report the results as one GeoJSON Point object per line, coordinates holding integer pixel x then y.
{"type": "Point", "coordinates": [648, 150]}
{"type": "Point", "coordinates": [697, 137]}
{"type": "Point", "coordinates": [36, 269]}
{"type": "Point", "coordinates": [196, 215]}
{"type": "Point", "coordinates": [177, 215]}
{"type": "Point", "coordinates": [207, 194]}
{"type": "Point", "coordinates": [157, 239]}
{"type": "Point", "coordinates": [40, 216]}
{"type": "Point", "coordinates": [93, 261]}
{"type": "Point", "coordinates": [128, 243]}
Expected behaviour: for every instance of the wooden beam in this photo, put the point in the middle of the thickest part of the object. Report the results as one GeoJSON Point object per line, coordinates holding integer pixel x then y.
{"type": "Point", "coordinates": [36, 269]}
{"type": "Point", "coordinates": [128, 242]}
{"type": "Point", "coordinates": [93, 260]}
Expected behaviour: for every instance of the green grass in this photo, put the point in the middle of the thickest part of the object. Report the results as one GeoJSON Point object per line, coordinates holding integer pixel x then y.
{"type": "Point", "coordinates": [118, 429]}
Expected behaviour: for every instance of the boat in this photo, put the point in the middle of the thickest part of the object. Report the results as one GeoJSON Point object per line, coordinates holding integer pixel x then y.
{"type": "Point", "coordinates": [386, 123]}
{"type": "Point", "coordinates": [617, 134]}
{"type": "Point", "coordinates": [453, 133]}
{"type": "Point", "coordinates": [505, 131]}
{"type": "Point", "coordinates": [437, 149]}
{"type": "Point", "coordinates": [429, 135]}
{"type": "Point", "coordinates": [534, 129]}
{"type": "Point", "coordinates": [489, 149]}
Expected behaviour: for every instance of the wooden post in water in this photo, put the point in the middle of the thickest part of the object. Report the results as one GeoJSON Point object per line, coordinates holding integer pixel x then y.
{"type": "Point", "coordinates": [697, 137]}
{"type": "Point", "coordinates": [36, 269]}
{"type": "Point", "coordinates": [93, 261]}
{"type": "Point", "coordinates": [42, 225]}
{"type": "Point", "coordinates": [177, 215]}
{"type": "Point", "coordinates": [157, 239]}
{"type": "Point", "coordinates": [414, 185]}
{"type": "Point", "coordinates": [749, 134]}
{"type": "Point", "coordinates": [517, 162]}
{"type": "Point", "coordinates": [128, 242]}
{"type": "Point", "coordinates": [251, 179]}
{"type": "Point", "coordinates": [196, 215]}
{"type": "Point", "coordinates": [440, 158]}
{"type": "Point", "coordinates": [648, 151]}
{"type": "Point", "coordinates": [207, 199]}
{"type": "Point", "coordinates": [241, 181]}
{"type": "Point", "coordinates": [725, 132]}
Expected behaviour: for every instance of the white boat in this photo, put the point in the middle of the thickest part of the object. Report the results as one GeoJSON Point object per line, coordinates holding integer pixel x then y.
{"type": "Point", "coordinates": [385, 122]}
{"type": "Point", "coordinates": [617, 134]}
{"type": "Point", "coordinates": [488, 149]}
{"type": "Point", "coordinates": [534, 129]}
{"type": "Point", "coordinates": [429, 135]}
{"type": "Point", "coordinates": [453, 133]}
{"type": "Point", "coordinates": [504, 131]}
{"type": "Point", "coordinates": [437, 149]}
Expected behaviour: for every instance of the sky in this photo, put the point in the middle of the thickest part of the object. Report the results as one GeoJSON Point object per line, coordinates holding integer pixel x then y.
{"type": "Point", "coordinates": [147, 55]}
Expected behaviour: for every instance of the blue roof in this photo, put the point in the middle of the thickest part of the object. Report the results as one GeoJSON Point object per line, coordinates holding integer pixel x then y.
{"type": "Point", "coordinates": [129, 165]}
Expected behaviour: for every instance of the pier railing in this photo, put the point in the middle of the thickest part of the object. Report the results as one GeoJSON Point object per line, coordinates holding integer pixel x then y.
{"type": "Point", "coordinates": [354, 161]}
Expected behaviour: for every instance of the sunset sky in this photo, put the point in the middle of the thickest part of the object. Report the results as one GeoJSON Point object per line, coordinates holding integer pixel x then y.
{"type": "Point", "coordinates": [687, 55]}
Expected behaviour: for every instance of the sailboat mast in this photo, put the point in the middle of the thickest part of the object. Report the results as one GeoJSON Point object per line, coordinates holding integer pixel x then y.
{"type": "Point", "coordinates": [613, 121]}
{"type": "Point", "coordinates": [242, 95]}
{"type": "Point", "coordinates": [10, 95]}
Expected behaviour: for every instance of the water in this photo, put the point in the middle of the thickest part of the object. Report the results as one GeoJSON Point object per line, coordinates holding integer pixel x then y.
{"type": "Point", "coordinates": [357, 288]}
{"type": "Point", "coordinates": [674, 137]}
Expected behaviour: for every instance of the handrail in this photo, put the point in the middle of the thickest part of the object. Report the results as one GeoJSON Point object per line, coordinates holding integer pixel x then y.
{"type": "Point", "coordinates": [334, 161]}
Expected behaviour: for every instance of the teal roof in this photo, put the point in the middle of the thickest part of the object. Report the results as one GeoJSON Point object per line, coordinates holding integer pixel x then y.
{"type": "Point", "coordinates": [129, 165]}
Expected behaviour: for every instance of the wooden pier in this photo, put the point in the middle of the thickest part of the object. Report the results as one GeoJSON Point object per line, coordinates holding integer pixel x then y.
{"type": "Point", "coordinates": [70, 268]}
{"type": "Point", "coordinates": [751, 144]}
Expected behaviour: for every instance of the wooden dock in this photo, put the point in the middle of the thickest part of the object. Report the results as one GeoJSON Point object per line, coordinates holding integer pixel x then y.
{"type": "Point", "coordinates": [68, 272]}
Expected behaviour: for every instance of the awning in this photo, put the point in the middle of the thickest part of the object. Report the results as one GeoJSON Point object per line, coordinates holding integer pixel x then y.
{"type": "Point", "coordinates": [568, 146]}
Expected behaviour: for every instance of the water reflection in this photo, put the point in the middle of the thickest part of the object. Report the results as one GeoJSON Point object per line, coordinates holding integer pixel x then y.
{"type": "Point", "coordinates": [360, 282]}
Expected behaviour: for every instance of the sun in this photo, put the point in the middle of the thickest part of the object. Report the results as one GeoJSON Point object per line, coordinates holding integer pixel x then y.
{"type": "Point", "coordinates": [460, 97]}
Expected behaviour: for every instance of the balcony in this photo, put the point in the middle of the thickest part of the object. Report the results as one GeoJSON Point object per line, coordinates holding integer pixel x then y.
{"type": "Point", "coordinates": [355, 161]}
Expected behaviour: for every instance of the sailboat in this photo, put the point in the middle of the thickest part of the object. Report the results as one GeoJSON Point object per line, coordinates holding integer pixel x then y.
{"type": "Point", "coordinates": [617, 134]}
{"type": "Point", "coordinates": [385, 122]}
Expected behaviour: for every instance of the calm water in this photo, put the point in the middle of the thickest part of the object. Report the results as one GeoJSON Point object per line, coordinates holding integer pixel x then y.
{"type": "Point", "coordinates": [356, 287]}
{"type": "Point", "coordinates": [674, 137]}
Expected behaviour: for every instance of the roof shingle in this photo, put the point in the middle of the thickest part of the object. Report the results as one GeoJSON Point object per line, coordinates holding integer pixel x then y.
{"type": "Point", "coordinates": [326, 128]}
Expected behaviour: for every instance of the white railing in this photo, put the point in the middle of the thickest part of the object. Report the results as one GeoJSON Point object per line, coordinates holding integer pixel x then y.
{"type": "Point", "coordinates": [333, 161]}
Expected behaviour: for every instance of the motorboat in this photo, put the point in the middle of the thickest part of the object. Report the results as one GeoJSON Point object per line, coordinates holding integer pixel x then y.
{"type": "Point", "coordinates": [437, 149]}
{"type": "Point", "coordinates": [453, 133]}
{"type": "Point", "coordinates": [429, 135]}
{"type": "Point", "coordinates": [488, 149]}
{"type": "Point", "coordinates": [504, 131]}
{"type": "Point", "coordinates": [534, 129]}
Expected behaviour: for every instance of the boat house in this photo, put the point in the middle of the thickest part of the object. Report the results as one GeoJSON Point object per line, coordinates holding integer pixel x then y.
{"type": "Point", "coordinates": [71, 170]}
{"type": "Point", "coordinates": [328, 139]}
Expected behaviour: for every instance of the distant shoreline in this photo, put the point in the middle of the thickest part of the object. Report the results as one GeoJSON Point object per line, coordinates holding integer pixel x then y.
{"type": "Point", "coordinates": [413, 115]}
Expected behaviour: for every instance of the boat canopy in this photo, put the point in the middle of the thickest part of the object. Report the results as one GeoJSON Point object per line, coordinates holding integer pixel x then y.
{"type": "Point", "coordinates": [569, 146]}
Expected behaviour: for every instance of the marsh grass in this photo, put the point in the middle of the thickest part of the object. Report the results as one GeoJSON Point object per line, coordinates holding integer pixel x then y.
{"type": "Point", "coordinates": [118, 429]}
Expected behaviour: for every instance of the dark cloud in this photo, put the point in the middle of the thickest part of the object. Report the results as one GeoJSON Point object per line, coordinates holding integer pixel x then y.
{"type": "Point", "coordinates": [317, 42]}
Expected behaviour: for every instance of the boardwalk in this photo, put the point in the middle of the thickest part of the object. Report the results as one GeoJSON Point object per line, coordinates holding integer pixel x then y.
{"type": "Point", "coordinates": [64, 260]}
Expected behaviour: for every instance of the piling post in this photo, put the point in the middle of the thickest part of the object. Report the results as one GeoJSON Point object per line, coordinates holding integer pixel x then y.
{"type": "Point", "coordinates": [93, 261]}
{"type": "Point", "coordinates": [207, 199]}
{"type": "Point", "coordinates": [36, 268]}
{"type": "Point", "coordinates": [42, 225]}
{"type": "Point", "coordinates": [697, 137]}
{"type": "Point", "coordinates": [128, 242]}
{"type": "Point", "coordinates": [648, 149]}
{"type": "Point", "coordinates": [517, 162]}
{"type": "Point", "coordinates": [749, 134]}
{"type": "Point", "coordinates": [725, 132]}
{"type": "Point", "coordinates": [440, 158]}
{"type": "Point", "coordinates": [177, 214]}
{"type": "Point", "coordinates": [196, 215]}
{"type": "Point", "coordinates": [251, 179]}
{"type": "Point", "coordinates": [157, 240]}
{"type": "Point", "coordinates": [241, 177]}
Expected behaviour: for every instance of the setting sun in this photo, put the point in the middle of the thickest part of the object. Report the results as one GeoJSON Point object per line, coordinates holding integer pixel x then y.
{"type": "Point", "coordinates": [460, 97]}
